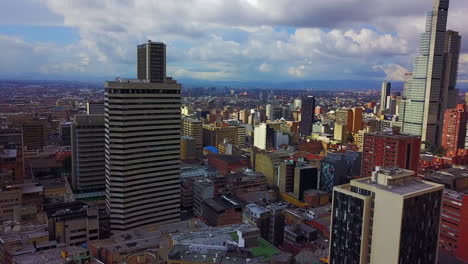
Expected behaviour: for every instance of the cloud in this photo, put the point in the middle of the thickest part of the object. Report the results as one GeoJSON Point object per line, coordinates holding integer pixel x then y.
{"type": "Point", "coordinates": [393, 72]}
{"type": "Point", "coordinates": [265, 67]}
{"type": "Point", "coordinates": [245, 39]}
{"type": "Point", "coordinates": [298, 71]}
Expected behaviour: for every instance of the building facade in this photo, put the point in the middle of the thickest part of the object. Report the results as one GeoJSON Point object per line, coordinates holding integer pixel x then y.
{"type": "Point", "coordinates": [390, 149]}
{"type": "Point", "coordinates": [143, 148]}
{"type": "Point", "coordinates": [307, 115]}
{"type": "Point", "coordinates": [454, 133]}
{"type": "Point", "coordinates": [431, 87]}
{"type": "Point", "coordinates": [88, 153]}
{"type": "Point", "coordinates": [391, 217]}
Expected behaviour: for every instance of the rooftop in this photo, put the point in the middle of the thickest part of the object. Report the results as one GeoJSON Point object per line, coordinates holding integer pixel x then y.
{"type": "Point", "coordinates": [51, 256]}
{"type": "Point", "coordinates": [223, 203]}
{"type": "Point", "coordinates": [412, 185]}
{"type": "Point", "coordinates": [8, 153]}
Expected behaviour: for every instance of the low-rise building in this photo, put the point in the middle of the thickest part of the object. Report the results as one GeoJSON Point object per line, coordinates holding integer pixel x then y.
{"type": "Point", "coordinates": [222, 210]}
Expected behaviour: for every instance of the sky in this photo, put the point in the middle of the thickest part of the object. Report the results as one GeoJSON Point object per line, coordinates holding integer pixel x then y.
{"type": "Point", "coordinates": [219, 40]}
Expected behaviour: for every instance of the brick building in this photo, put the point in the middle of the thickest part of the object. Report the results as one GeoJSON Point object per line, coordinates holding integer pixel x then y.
{"type": "Point", "coordinates": [390, 149]}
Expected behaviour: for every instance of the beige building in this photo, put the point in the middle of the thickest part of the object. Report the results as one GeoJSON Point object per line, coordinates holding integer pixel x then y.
{"type": "Point", "coordinates": [339, 133]}
{"type": "Point", "coordinates": [72, 223]}
{"type": "Point", "coordinates": [187, 148]}
{"type": "Point", "coordinates": [10, 204]}
{"type": "Point", "coordinates": [213, 135]}
{"type": "Point", "coordinates": [391, 217]}
{"type": "Point", "coordinates": [193, 128]}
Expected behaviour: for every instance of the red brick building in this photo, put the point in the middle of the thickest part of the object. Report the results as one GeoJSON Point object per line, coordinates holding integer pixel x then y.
{"type": "Point", "coordinates": [390, 149]}
{"type": "Point", "coordinates": [453, 238]}
{"type": "Point", "coordinates": [227, 163]}
{"type": "Point", "coordinates": [454, 133]}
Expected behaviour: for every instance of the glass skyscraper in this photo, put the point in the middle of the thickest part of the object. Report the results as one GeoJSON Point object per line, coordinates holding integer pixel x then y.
{"type": "Point", "coordinates": [431, 88]}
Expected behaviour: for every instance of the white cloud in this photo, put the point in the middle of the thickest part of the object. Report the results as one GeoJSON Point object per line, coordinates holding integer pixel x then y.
{"type": "Point", "coordinates": [220, 39]}
{"type": "Point", "coordinates": [298, 71]}
{"type": "Point", "coordinates": [393, 72]}
{"type": "Point", "coordinates": [265, 67]}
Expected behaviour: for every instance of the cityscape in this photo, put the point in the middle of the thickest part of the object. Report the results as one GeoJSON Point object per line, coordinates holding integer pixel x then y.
{"type": "Point", "coordinates": [144, 167]}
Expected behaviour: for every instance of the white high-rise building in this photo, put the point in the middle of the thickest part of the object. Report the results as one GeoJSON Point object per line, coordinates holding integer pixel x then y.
{"type": "Point", "coordinates": [143, 147]}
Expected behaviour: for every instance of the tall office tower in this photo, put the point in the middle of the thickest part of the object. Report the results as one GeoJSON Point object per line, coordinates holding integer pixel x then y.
{"type": "Point", "coordinates": [431, 87]}
{"type": "Point", "coordinates": [241, 134]}
{"type": "Point", "coordinates": [454, 133]}
{"type": "Point", "coordinates": [244, 116]}
{"type": "Point", "coordinates": [193, 128]}
{"type": "Point", "coordinates": [269, 111]}
{"type": "Point", "coordinates": [34, 134]}
{"type": "Point", "coordinates": [391, 217]}
{"type": "Point", "coordinates": [152, 62]}
{"type": "Point", "coordinates": [264, 136]}
{"type": "Point", "coordinates": [449, 94]}
{"type": "Point", "coordinates": [143, 146]}
{"type": "Point", "coordinates": [65, 133]}
{"type": "Point", "coordinates": [386, 86]}
{"type": "Point", "coordinates": [88, 153]}
{"type": "Point", "coordinates": [390, 149]}
{"type": "Point", "coordinates": [307, 115]}
{"type": "Point", "coordinates": [357, 119]}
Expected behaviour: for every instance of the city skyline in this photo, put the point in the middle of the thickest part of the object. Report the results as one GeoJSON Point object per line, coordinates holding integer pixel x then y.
{"type": "Point", "coordinates": [233, 131]}
{"type": "Point", "coordinates": [230, 41]}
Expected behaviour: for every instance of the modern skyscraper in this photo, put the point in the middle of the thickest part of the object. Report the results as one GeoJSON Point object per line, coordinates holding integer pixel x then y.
{"type": "Point", "coordinates": [88, 153]}
{"type": "Point", "coordinates": [152, 61]}
{"type": "Point", "coordinates": [431, 87]}
{"type": "Point", "coordinates": [307, 115]}
{"type": "Point", "coordinates": [391, 217]}
{"type": "Point", "coordinates": [449, 95]}
{"type": "Point", "coordinates": [386, 86]}
{"type": "Point", "coordinates": [143, 144]}
{"type": "Point", "coordinates": [390, 149]}
{"type": "Point", "coordinates": [454, 133]}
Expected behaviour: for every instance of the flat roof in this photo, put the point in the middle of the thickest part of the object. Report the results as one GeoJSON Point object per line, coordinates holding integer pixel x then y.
{"type": "Point", "coordinates": [412, 185]}
{"type": "Point", "coordinates": [51, 256]}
